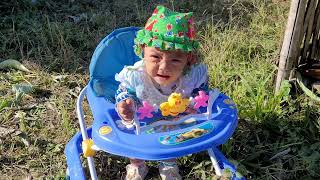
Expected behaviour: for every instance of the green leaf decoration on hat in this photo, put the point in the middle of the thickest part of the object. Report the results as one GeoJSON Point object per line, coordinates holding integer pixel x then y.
{"type": "Point", "coordinates": [167, 30]}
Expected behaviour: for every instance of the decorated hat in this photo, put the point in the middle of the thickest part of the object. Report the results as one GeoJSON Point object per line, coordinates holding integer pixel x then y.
{"type": "Point", "coordinates": [167, 30]}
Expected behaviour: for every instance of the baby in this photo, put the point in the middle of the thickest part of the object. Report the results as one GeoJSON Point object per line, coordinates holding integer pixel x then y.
{"type": "Point", "coordinates": [167, 47]}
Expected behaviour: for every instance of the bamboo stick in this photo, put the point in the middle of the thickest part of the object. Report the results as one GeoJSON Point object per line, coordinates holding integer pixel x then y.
{"type": "Point", "coordinates": [307, 16]}
{"type": "Point", "coordinates": [318, 48]}
{"type": "Point", "coordinates": [303, 8]}
{"type": "Point", "coordinates": [283, 69]}
{"type": "Point", "coordinates": [310, 11]}
{"type": "Point", "coordinates": [315, 32]}
{"type": "Point", "coordinates": [297, 37]}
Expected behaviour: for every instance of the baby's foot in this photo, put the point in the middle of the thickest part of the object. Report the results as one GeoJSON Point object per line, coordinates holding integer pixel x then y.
{"type": "Point", "coordinates": [169, 172]}
{"type": "Point", "coordinates": [136, 172]}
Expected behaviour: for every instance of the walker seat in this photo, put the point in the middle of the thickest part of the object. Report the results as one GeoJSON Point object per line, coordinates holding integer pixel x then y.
{"type": "Point", "coordinates": [149, 139]}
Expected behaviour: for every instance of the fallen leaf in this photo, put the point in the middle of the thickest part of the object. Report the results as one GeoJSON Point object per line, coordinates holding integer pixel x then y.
{"type": "Point", "coordinates": [5, 131]}
{"type": "Point", "coordinates": [77, 19]}
{"type": "Point", "coordinates": [21, 89]}
{"type": "Point", "coordinates": [13, 64]}
{"type": "Point", "coordinates": [279, 154]}
{"type": "Point", "coordinates": [25, 139]}
{"type": "Point", "coordinates": [59, 77]}
{"type": "Point", "coordinates": [28, 177]}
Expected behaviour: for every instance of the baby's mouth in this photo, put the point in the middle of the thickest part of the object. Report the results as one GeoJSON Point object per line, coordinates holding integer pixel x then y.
{"type": "Point", "coordinates": [163, 76]}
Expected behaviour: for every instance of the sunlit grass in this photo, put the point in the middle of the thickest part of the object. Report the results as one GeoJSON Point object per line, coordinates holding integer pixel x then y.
{"type": "Point", "coordinates": [277, 136]}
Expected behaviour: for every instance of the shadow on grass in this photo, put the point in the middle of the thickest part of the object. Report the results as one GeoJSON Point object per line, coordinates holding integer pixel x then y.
{"type": "Point", "coordinates": [284, 148]}
{"type": "Point", "coordinates": [61, 36]}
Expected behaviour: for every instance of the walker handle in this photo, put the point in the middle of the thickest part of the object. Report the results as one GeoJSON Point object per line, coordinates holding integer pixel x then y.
{"type": "Point", "coordinates": [213, 95]}
{"type": "Point", "coordinates": [136, 123]}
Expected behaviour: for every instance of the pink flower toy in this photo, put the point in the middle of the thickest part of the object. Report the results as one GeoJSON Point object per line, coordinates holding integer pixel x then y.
{"type": "Point", "coordinates": [201, 100]}
{"type": "Point", "coordinates": [145, 110]}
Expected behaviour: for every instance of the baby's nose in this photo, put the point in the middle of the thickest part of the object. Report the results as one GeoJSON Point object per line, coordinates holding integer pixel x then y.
{"type": "Point", "coordinates": [164, 66]}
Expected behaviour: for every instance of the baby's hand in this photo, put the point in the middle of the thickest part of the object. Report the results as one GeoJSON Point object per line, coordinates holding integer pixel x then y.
{"type": "Point", "coordinates": [190, 110]}
{"type": "Point", "coordinates": [125, 109]}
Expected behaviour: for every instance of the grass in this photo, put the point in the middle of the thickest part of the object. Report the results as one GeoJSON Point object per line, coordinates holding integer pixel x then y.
{"type": "Point", "coordinates": [277, 137]}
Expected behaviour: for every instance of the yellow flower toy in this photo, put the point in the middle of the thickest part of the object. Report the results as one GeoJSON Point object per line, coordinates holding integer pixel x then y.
{"type": "Point", "coordinates": [174, 106]}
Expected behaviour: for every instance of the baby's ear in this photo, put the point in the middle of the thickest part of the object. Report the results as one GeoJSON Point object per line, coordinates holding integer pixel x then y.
{"type": "Point", "coordinates": [142, 50]}
{"type": "Point", "coordinates": [192, 58]}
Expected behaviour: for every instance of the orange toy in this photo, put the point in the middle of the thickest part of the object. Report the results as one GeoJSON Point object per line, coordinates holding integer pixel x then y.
{"type": "Point", "coordinates": [174, 106]}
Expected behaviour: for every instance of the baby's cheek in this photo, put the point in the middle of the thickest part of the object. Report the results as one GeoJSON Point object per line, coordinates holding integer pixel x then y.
{"type": "Point", "coordinates": [178, 70]}
{"type": "Point", "coordinates": [154, 70]}
{"type": "Point", "coordinates": [151, 72]}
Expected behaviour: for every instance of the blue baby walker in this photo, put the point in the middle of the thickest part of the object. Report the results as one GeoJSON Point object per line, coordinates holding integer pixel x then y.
{"type": "Point", "coordinates": [146, 139]}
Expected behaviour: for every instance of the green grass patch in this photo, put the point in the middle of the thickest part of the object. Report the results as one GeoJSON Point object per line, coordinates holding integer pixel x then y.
{"type": "Point", "coordinates": [277, 137]}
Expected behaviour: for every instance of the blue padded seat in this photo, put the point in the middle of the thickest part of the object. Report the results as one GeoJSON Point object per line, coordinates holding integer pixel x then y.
{"type": "Point", "coordinates": [111, 55]}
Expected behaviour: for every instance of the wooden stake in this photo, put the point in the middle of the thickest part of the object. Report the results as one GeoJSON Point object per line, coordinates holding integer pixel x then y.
{"type": "Point", "coordinates": [316, 33]}
{"type": "Point", "coordinates": [297, 37]}
{"type": "Point", "coordinates": [285, 64]}
{"type": "Point", "coordinates": [310, 12]}
{"type": "Point", "coordinates": [305, 26]}
{"type": "Point", "coordinates": [318, 47]}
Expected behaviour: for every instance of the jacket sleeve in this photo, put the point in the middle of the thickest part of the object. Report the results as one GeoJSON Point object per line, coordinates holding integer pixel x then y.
{"type": "Point", "coordinates": [124, 93]}
{"type": "Point", "coordinates": [200, 78]}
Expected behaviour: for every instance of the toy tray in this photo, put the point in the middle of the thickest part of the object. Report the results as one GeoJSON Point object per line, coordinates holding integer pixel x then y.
{"type": "Point", "coordinates": [192, 134]}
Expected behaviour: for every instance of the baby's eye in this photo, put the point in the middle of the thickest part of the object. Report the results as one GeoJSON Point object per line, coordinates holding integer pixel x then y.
{"type": "Point", "coordinates": [176, 60]}
{"type": "Point", "coordinates": [155, 56]}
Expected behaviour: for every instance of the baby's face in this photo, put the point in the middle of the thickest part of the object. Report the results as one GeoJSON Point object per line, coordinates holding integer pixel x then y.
{"type": "Point", "coordinates": [164, 67]}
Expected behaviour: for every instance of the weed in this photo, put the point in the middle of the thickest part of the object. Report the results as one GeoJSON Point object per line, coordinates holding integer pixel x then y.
{"type": "Point", "coordinates": [277, 137]}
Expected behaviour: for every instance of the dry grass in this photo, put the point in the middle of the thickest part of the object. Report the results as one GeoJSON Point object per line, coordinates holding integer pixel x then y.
{"type": "Point", "coordinates": [240, 44]}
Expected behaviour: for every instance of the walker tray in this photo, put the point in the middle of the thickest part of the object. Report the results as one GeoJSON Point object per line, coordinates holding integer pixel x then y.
{"type": "Point", "coordinates": [164, 139]}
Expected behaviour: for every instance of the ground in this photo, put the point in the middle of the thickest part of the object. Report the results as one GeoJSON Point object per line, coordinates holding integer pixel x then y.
{"type": "Point", "coordinates": [277, 137]}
